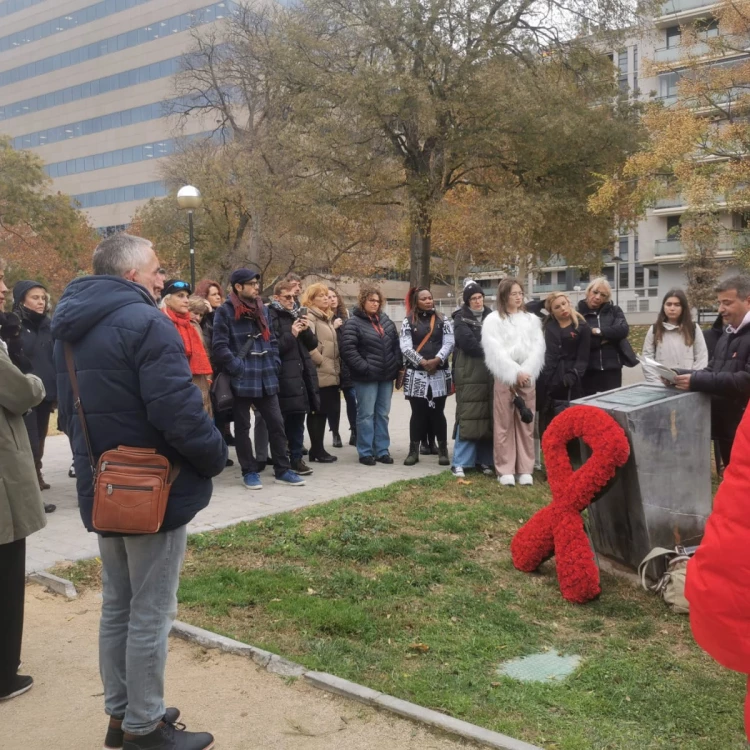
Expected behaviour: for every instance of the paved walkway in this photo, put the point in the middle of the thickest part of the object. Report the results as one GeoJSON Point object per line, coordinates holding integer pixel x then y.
{"type": "Point", "coordinates": [65, 538]}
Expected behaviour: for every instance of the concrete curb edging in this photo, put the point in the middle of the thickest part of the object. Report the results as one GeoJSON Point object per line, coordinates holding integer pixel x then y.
{"type": "Point", "coordinates": [346, 689]}
{"type": "Point", "coordinates": [58, 585]}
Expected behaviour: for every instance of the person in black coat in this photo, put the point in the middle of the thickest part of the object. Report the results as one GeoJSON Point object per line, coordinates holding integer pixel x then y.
{"type": "Point", "coordinates": [298, 378]}
{"type": "Point", "coordinates": [609, 331]}
{"type": "Point", "coordinates": [567, 339]}
{"type": "Point", "coordinates": [727, 377]}
{"type": "Point", "coordinates": [712, 335]}
{"type": "Point", "coordinates": [346, 384]}
{"type": "Point", "coordinates": [31, 304]}
{"type": "Point", "coordinates": [370, 348]}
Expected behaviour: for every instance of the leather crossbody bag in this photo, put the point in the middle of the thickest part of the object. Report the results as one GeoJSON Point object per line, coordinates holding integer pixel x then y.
{"type": "Point", "coordinates": [131, 485]}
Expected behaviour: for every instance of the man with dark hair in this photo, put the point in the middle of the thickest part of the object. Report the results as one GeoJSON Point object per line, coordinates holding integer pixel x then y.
{"type": "Point", "coordinates": [136, 390]}
{"type": "Point", "coordinates": [727, 377]}
{"type": "Point", "coordinates": [245, 346]}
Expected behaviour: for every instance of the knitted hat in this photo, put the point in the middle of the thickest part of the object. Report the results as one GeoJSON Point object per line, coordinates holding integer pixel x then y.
{"type": "Point", "coordinates": [242, 276]}
{"type": "Point", "coordinates": [470, 290]}
{"type": "Point", "coordinates": [175, 285]}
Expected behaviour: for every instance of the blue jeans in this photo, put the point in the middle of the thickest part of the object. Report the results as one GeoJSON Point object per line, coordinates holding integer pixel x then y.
{"type": "Point", "coordinates": [469, 453]}
{"type": "Point", "coordinates": [140, 576]}
{"type": "Point", "coordinates": [373, 406]}
{"type": "Point", "coordinates": [294, 426]}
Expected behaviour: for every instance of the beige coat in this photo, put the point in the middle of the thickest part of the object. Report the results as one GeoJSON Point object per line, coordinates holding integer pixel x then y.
{"type": "Point", "coordinates": [673, 352]}
{"type": "Point", "coordinates": [326, 356]}
{"type": "Point", "coordinates": [21, 507]}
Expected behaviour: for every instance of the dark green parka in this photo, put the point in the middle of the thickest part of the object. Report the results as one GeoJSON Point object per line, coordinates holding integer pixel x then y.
{"type": "Point", "coordinates": [473, 380]}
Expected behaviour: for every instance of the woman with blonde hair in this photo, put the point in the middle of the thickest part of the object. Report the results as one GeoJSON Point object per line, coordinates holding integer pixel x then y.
{"type": "Point", "coordinates": [328, 364]}
{"type": "Point", "coordinates": [514, 353]}
{"type": "Point", "coordinates": [567, 339]}
{"type": "Point", "coordinates": [609, 332]}
{"type": "Point", "coordinates": [176, 305]}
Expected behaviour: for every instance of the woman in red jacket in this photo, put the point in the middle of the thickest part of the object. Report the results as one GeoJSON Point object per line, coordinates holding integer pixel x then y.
{"type": "Point", "coordinates": [718, 574]}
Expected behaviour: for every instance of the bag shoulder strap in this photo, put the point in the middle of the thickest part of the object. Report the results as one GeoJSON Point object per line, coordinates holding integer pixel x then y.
{"type": "Point", "coordinates": [655, 554]}
{"type": "Point", "coordinates": [78, 405]}
{"type": "Point", "coordinates": [245, 348]}
{"type": "Point", "coordinates": [429, 333]}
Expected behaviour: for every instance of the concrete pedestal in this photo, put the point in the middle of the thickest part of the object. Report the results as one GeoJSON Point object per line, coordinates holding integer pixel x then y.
{"type": "Point", "coordinates": [662, 496]}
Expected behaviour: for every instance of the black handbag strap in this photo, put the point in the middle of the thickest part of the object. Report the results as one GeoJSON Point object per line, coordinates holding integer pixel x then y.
{"type": "Point", "coordinates": [77, 403]}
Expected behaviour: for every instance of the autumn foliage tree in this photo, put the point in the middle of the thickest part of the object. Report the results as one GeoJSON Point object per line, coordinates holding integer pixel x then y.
{"type": "Point", "coordinates": [42, 236]}
{"type": "Point", "coordinates": [369, 105]}
{"type": "Point", "coordinates": [697, 149]}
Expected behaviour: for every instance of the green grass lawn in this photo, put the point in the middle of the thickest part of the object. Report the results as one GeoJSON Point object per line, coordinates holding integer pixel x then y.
{"type": "Point", "coordinates": [410, 590]}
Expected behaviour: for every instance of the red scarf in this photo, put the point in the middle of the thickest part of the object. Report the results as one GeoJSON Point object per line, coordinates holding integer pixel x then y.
{"type": "Point", "coordinates": [191, 338]}
{"type": "Point", "coordinates": [251, 310]}
{"type": "Point", "coordinates": [375, 320]}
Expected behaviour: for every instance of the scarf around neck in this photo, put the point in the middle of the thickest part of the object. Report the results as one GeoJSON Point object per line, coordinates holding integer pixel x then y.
{"type": "Point", "coordinates": [193, 342]}
{"type": "Point", "coordinates": [251, 310]}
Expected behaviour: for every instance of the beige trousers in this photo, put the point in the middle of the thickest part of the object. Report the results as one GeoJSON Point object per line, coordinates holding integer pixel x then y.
{"type": "Point", "coordinates": [514, 440]}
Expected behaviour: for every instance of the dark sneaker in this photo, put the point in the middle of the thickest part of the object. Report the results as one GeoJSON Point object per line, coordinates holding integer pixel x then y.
{"type": "Point", "coordinates": [116, 737]}
{"type": "Point", "coordinates": [353, 439]}
{"type": "Point", "coordinates": [72, 471]}
{"type": "Point", "coordinates": [229, 462]}
{"type": "Point", "coordinates": [384, 459]}
{"type": "Point", "coordinates": [301, 468]}
{"type": "Point", "coordinates": [49, 508]}
{"type": "Point", "coordinates": [21, 683]}
{"type": "Point", "coordinates": [367, 460]}
{"type": "Point", "coordinates": [169, 736]}
{"type": "Point", "coordinates": [337, 440]}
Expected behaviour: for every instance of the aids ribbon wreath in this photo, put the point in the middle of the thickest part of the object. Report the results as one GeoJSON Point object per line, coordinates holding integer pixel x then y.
{"type": "Point", "coordinates": [557, 529]}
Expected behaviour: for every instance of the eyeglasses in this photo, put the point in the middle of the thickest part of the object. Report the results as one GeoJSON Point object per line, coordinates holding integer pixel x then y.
{"type": "Point", "coordinates": [286, 296]}
{"type": "Point", "coordinates": [254, 282]}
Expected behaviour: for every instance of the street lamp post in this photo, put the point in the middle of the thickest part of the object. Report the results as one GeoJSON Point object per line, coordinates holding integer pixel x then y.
{"type": "Point", "coordinates": [189, 198]}
{"type": "Point", "coordinates": [616, 259]}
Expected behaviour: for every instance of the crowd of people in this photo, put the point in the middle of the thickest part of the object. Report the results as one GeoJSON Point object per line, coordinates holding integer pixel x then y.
{"type": "Point", "coordinates": [148, 354]}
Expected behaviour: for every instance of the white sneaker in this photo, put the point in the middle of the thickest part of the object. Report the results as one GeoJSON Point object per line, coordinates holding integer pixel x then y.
{"type": "Point", "coordinates": [525, 479]}
{"type": "Point", "coordinates": [507, 479]}
{"type": "Point", "coordinates": [458, 471]}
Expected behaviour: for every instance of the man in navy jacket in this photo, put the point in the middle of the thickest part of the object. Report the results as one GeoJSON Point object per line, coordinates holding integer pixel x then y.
{"type": "Point", "coordinates": [245, 347]}
{"type": "Point", "coordinates": [136, 390]}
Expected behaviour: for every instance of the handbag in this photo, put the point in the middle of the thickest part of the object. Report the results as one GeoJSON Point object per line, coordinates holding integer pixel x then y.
{"type": "Point", "coordinates": [402, 372]}
{"type": "Point", "coordinates": [627, 355]}
{"type": "Point", "coordinates": [671, 585]}
{"type": "Point", "coordinates": [131, 484]}
{"type": "Point", "coordinates": [222, 396]}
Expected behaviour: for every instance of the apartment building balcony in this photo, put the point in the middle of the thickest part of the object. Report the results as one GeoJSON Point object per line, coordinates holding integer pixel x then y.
{"type": "Point", "coordinates": [554, 261]}
{"type": "Point", "coordinates": [547, 288]}
{"type": "Point", "coordinates": [683, 11]}
{"type": "Point", "coordinates": [702, 51]}
{"type": "Point", "coordinates": [673, 248]}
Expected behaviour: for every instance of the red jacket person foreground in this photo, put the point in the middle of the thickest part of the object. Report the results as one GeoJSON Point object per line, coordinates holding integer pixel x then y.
{"type": "Point", "coordinates": [718, 574]}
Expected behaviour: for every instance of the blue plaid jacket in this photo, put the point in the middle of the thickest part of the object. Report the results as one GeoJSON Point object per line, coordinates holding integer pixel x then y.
{"type": "Point", "coordinates": [257, 374]}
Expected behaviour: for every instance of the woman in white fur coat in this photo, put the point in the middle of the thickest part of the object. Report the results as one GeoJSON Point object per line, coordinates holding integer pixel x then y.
{"type": "Point", "coordinates": [513, 345]}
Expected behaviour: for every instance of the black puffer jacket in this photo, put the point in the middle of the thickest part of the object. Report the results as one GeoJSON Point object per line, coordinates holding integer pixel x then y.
{"type": "Point", "coordinates": [712, 336]}
{"type": "Point", "coordinates": [37, 344]}
{"type": "Point", "coordinates": [298, 379]}
{"type": "Point", "coordinates": [727, 379]}
{"type": "Point", "coordinates": [474, 382]}
{"type": "Point", "coordinates": [605, 349]}
{"type": "Point", "coordinates": [371, 358]}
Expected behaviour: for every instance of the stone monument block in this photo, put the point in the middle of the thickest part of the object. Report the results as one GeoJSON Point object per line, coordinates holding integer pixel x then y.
{"type": "Point", "coordinates": [662, 496]}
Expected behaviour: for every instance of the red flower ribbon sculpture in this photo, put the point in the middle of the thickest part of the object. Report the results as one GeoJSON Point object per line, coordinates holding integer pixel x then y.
{"type": "Point", "coordinates": [558, 529]}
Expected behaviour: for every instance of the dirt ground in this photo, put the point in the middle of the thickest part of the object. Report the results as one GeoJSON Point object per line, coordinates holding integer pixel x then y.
{"type": "Point", "coordinates": [245, 707]}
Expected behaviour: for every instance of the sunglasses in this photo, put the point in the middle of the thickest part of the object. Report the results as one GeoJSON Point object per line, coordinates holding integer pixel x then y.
{"type": "Point", "coordinates": [286, 296]}
{"type": "Point", "coordinates": [180, 285]}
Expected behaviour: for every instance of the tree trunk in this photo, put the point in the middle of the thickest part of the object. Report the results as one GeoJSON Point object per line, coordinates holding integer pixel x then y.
{"type": "Point", "coordinates": [419, 251]}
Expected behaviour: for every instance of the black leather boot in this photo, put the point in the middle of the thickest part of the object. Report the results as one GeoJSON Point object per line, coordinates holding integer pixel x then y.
{"type": "Point", "coordinates": [443, 459]}
{"type": "Point", "coordinates": [413, 457]}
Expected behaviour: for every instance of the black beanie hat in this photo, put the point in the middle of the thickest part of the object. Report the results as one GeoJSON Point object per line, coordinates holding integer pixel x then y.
{"type": "Point", "coordinates": [175, 285]}
{"type": "Point", "coordinates": [470, 290]}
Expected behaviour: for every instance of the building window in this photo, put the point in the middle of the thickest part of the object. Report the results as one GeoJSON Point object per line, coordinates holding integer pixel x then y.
{"type": "Point", "coordinates": [13, 6]}
{"type": "Point", "coordinates": [142, 191]}
{"type": "Point", "coordinates": [639, 280]}
{"type": "Point", "coordinates": [673, 228]}
{"type": "Point", "coordinates": [653, 276]}
{"type": "Point", "coordinates": [70, 20]}
{"type": "Point", "coordinates": [668, 85]}
{"type": "Point", "coordinates": [114, 82]}
{"type": "Point", "coordinates": [674, 37]}
{"type": "Point", "coordinates": [623, 248]}
{"type": "Point", "coordinates": [635, 248]}
{"type": "Point", "coordinates": [635, 69]}
{"type": "Point", "coordinates": [622, 66]}
{"type": "Point", "coordinates": [545, 278]}
{"type": "Point", "coordinates": [609, 273]}
{"type": "Point", "coordinates": [624, 276]}
{"type": "Point", "coordinates": [132, 38]}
